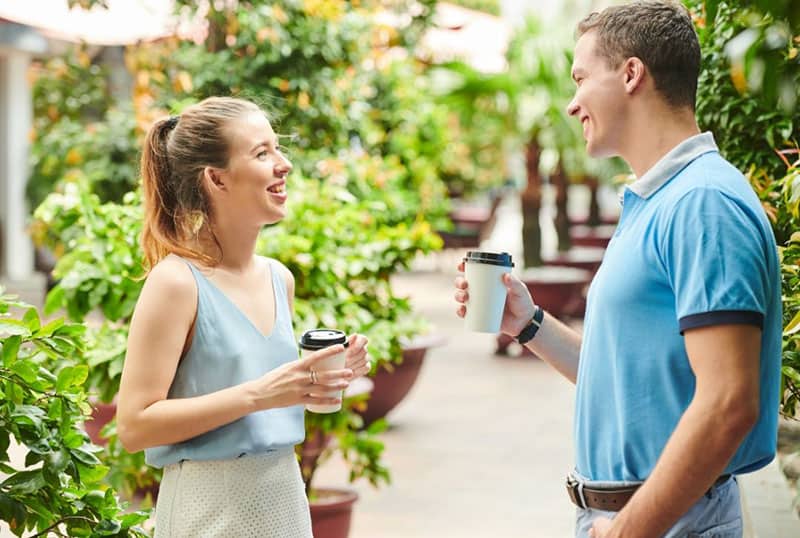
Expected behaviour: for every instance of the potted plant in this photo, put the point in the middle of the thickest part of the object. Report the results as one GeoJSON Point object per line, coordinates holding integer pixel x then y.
{"type": "Point", "coordinates": [58, 488]}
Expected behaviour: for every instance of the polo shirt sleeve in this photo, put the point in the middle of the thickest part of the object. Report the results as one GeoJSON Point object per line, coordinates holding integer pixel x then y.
{"type": "Point", "coordinates": [715, 258]}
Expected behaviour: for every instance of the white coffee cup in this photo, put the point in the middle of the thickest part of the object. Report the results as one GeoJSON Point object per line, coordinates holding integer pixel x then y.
{"type": "Point", "coordinates": [317, 339]}
{"type": "Point", "coordinates": [487, 294]}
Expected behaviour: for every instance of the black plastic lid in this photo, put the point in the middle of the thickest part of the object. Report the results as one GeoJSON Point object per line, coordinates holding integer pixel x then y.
{"type": "Point", "coordinates": [492, 258]}
{"type": "Point", "coordinates": [322, 338]}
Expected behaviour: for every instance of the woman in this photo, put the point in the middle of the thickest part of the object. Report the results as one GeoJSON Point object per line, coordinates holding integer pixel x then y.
{"type": "Point", "coordinates": [212, 387]}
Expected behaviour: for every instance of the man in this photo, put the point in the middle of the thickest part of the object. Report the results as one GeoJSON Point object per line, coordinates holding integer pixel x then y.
{"type": "Point", "coordinates": [677, 370]}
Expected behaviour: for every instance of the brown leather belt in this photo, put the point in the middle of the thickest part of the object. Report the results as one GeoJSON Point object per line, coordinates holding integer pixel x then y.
{"type": "Point", "coordinates": [611, 500]}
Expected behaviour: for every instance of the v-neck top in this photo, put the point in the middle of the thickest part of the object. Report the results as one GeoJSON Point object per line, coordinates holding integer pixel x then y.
{"type": "Point", "coordinates": [227, 349]}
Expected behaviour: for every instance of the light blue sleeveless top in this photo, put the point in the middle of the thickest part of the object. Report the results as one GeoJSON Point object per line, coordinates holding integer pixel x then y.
{"type": "Point", "coordinates": [227, 350]}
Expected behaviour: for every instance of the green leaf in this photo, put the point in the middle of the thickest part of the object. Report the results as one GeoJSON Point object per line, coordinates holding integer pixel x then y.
{"type": "Point", "coordinates": [108, 527]}
{"type": "Point", "coordinates": [27, 371]}
{"type": "Point", "coordinates": [71, 376]}
{"type": "Point", "coordinates": [50, 328]}
{"type": "Point", "coordinates": [31, 319]}
{"type": "Point", "coordinates": [25, 482]}
{"type": "Point", "coordinates": [793, 326]}
{"type": "Point", "coordinates": [54, 301]}
{"type": "Point", "coordinates": [13, 327]}
{"type": "Point", "coordinates": [92, 474]}
{"type": "Point", "coordinates": [11, 349]}
{"type": "Point", "coordinates": [58, 460]}
{"type": "Point", "coordinates": [12, 511]}
{"type": "Point", "coordinates": [14, 393]}
{"type": "Point", "coordinates": [74, 438]}
{"type": "Point", "coordinates": [84, 456]}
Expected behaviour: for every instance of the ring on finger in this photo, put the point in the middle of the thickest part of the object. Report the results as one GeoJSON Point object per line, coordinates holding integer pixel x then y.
{"type": "Point", "coordinates": [313, 376]}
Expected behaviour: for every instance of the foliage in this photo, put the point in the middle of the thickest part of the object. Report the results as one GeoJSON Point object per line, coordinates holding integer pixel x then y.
{"type": "Point", "coordinates": [71, 97]}
{"type": "Point", "coordinates": [781, 199]}
{"type": "Point", "coordinates": [100, 152]}
{"type": "Point", "coordinates": [342, 254]}
{"type": "Point", "coordinates": [321, 69]}
{"type": "Point", "coordinates": [99, 259]}
{"type": "Point", "coordinates": [746, 126]}
{"type": "Point", "coordinates": [129, 475]}
{"type": "Point", "coordinates": [58, 490]}
{"type": "Point", "coordinates": [763, 54]}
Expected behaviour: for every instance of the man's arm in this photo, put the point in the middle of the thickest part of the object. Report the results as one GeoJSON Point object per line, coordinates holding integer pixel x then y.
{"type": "Point", "coordinates": [556, 343]}
{"type": "Point", "coordinates": [559, 345]}
{"type": "Point", "coordinates": [725, 360]}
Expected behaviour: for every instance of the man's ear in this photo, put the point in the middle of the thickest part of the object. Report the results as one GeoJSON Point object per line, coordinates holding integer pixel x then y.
{"type": "Point", "coordinates": [213, 178]}
{"type": "Point", "coordinates": [634, 72]}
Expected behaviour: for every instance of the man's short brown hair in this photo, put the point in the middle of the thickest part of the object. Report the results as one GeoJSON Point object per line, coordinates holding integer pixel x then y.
{"type": "Point", "coordinates": [660, 34]}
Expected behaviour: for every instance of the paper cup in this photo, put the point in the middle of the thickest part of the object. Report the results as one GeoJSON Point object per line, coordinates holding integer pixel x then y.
{"type": "Point", "coordinates": [487, 294]}
{"type": "Point", "coordinates": [315, 340]}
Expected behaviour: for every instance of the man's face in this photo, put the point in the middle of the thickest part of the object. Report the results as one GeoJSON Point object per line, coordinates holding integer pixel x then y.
{"type": "Point", "coordinates": [599, 101]}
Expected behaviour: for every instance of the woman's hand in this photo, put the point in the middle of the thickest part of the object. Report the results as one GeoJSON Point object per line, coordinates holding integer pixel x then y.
{"type": "Point", "coordinates": [356, 358]}
{"type": "Point", "coordinates": [293, 383]}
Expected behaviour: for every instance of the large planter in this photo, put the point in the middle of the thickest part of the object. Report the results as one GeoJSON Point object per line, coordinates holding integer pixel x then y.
{"type": "Point", "coordinates": [392, 386]}
{"type": "Point", "coordinates": [586, 236]}
{"type": "Point", "coordinates": [331, 512]}
{"type": "Point", "coordinates": [557, 289]}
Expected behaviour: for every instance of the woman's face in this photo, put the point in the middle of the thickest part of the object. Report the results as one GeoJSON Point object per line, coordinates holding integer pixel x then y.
{"type": "Point", "coordinates": [257, 170]}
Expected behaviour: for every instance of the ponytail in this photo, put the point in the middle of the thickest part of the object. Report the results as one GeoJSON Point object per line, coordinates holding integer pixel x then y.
{"type": "Point", "coordinates": [165, 219]}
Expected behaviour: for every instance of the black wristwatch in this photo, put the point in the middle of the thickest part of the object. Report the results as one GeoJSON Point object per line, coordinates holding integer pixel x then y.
{"type": "Point", "coordinates": [527, 334]}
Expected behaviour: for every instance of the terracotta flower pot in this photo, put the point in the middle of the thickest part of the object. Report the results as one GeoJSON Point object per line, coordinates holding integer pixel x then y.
{"type": "Point", "coordinates": [331, 512]}
{"type": "Point", "coordinates": [392, 386]}
{"type": "Point", "coordinates": [101, 415]}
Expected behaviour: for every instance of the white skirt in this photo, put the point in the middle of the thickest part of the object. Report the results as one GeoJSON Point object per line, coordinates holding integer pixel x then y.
{"type": "Point", "coordinates": [260, 496]}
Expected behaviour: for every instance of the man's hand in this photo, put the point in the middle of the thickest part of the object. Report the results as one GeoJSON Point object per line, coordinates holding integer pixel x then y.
{"type": "Point", "coordinates": [519, 307]}
{"type": "Point", "coordinates": [600, 527]}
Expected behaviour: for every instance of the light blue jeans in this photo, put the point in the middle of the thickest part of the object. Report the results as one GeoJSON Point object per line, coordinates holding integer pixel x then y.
{"type": "Point", "coordinates": [718, 513]}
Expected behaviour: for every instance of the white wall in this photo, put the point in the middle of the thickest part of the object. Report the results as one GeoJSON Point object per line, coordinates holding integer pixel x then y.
{"type": "Point", "coordinates": [16, 111]}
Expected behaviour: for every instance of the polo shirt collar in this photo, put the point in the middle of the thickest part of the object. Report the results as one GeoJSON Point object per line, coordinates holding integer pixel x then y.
{"type": "Point", "coordinates": [672, 163]}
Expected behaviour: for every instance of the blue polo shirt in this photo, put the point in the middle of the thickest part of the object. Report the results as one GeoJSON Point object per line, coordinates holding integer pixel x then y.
{"type": "Point", "coordinates": [693, 248]}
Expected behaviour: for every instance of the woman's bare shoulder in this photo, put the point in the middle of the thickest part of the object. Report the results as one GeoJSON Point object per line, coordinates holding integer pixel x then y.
{"type": "Point", "coordinates": [172, 277]}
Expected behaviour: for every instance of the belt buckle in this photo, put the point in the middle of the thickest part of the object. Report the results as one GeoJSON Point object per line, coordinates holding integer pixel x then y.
{"type": "Point", "coordinates": [574, 492]}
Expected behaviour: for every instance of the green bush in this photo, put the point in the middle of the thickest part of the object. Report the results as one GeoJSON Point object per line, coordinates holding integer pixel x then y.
{"type": "Point", "coordinates": [58, 490]}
